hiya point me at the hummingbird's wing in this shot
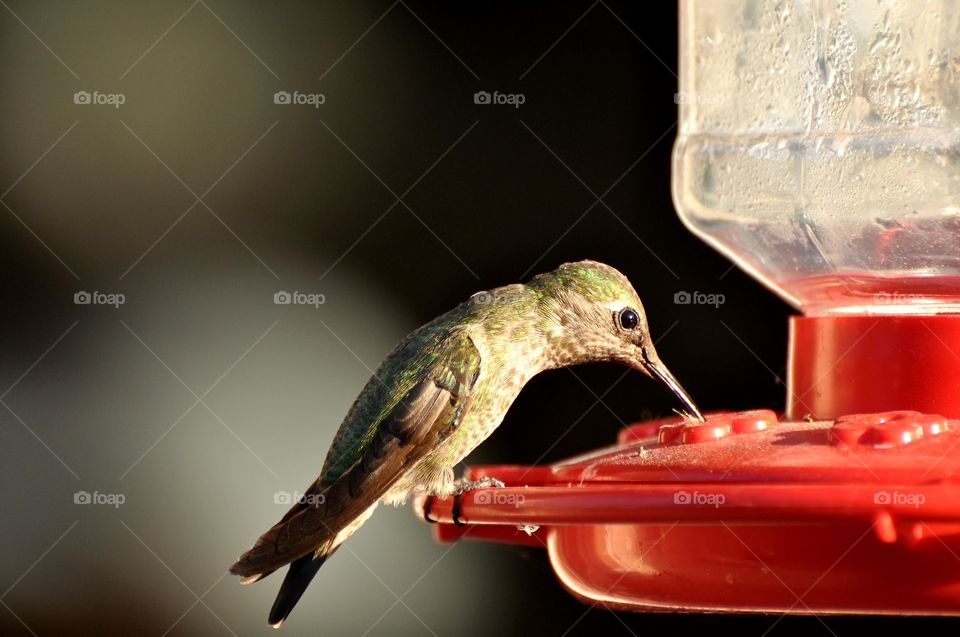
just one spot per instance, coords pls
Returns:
(422, 419)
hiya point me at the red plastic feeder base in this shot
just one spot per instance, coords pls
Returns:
(741, 513)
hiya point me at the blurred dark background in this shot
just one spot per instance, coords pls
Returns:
(198, 198)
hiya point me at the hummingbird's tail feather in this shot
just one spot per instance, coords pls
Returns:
(312, 530)
(283, 544)
(405, 436)
(299, 576)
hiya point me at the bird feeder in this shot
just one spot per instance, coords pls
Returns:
(818, 150)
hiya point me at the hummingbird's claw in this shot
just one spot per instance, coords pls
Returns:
(457, 510)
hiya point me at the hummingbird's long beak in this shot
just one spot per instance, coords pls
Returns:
(659, 371)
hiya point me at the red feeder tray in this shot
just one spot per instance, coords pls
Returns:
(741, 513)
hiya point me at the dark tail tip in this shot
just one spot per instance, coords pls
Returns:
(298, 577)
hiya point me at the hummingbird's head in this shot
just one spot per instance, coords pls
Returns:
(590, 312)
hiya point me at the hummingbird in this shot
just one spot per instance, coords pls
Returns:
(439, 394)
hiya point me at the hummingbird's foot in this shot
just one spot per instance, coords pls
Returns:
(462, 486)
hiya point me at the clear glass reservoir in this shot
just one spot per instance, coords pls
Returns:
(819, 148)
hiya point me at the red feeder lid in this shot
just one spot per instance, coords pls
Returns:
(741, 513)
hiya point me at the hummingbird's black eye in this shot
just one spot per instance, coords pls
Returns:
(629, 319)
